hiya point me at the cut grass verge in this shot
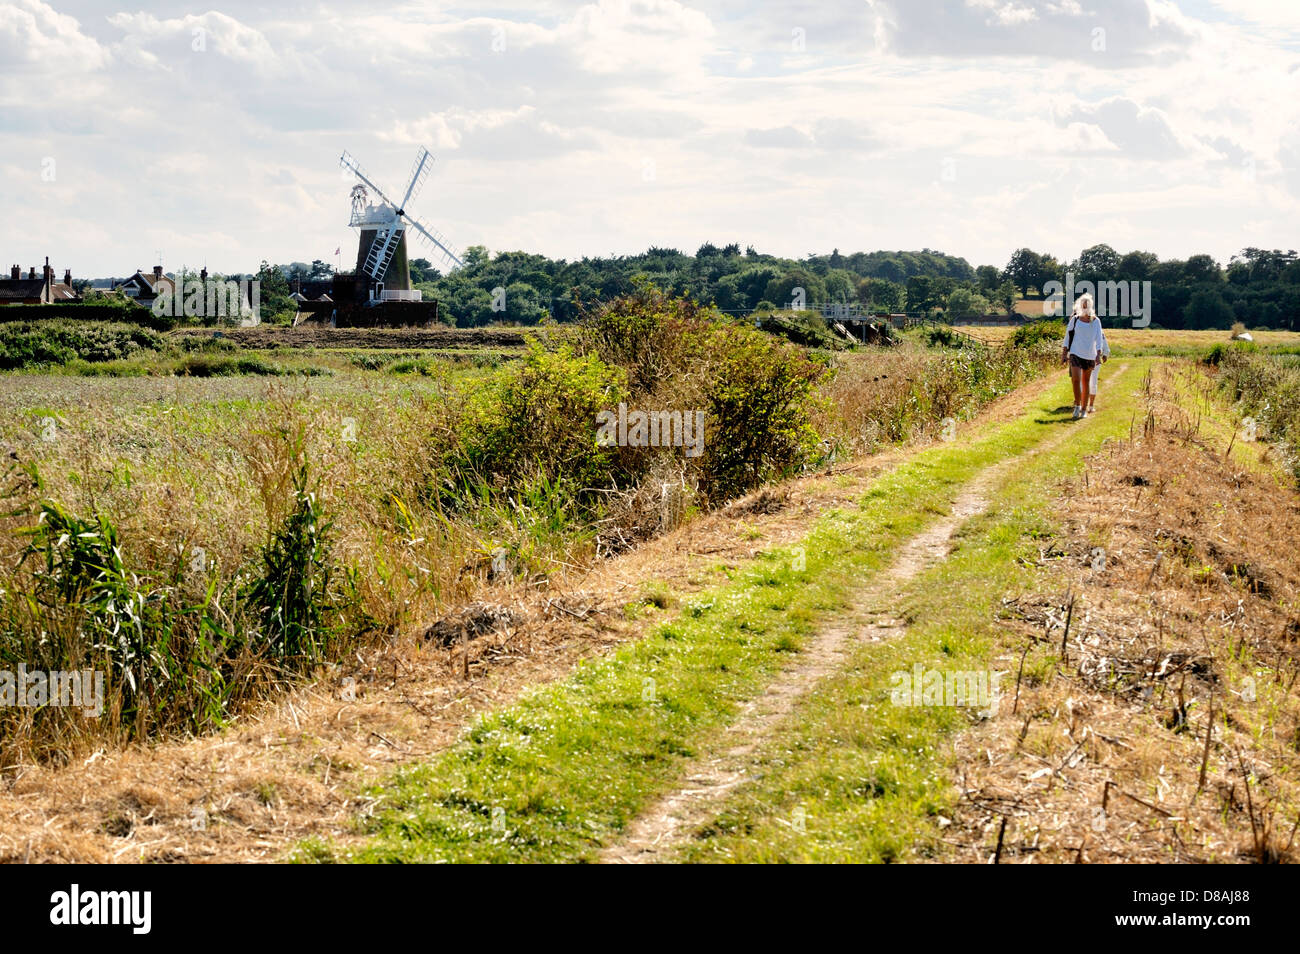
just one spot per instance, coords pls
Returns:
(561, 772)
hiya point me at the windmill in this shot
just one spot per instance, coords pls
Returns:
(381, 255)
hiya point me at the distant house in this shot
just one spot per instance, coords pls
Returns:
(312, 290)
(144, 288)
(313, 299)
(34, 290)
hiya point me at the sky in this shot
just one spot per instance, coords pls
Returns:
(165, 131)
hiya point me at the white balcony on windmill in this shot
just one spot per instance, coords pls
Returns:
(370, 216)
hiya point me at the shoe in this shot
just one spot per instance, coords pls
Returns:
(1076, 415)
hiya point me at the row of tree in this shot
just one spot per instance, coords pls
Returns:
(741, 282)
(1259, 287)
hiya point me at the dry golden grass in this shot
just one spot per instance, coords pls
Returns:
(866, 397)
(1156, 337)
(194, 473)
(1029, 307)
(1170, 728)
(882, 396)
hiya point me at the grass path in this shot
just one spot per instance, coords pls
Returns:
(660, 829)
(578, 766)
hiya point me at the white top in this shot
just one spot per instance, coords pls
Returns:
(1089, 338)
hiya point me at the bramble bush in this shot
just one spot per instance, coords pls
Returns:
(759, 397)
(35, 344)
(538, 419)
(1036, 333)
(756, 391)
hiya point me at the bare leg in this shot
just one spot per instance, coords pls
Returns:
(1092, 400)
(1084, 387)
(1075, 374)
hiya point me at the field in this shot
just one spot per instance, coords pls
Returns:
(425, 339)
(1132, 341)
(393, 602)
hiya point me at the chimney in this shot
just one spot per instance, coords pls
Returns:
(157, 272)
(16, 273)
(203, 275)
(47, 271)
(31, 275)
(67, 277)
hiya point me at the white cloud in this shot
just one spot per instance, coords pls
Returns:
(662, 36)
(1108, 33)
(1271, 14)
(34, 34)
(1137, 131)
(1082, 139)
(780, 137)
(210, 32)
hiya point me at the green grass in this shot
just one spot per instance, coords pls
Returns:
(559, 774)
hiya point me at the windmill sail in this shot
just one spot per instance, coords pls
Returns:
(436, 240)
(419, 172)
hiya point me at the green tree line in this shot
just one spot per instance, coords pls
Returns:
(1258, 287)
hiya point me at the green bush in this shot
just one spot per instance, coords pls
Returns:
(643, 333)
(759, 398)
(756, 391)
(539, 418)
(217, 365)
(98, 308)
(36, 344)
(941, 337)
(291, 593)
(805, 328)
(1267, 387)
(537, 421)
(1035, 333)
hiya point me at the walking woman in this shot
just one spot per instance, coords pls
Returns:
(1084, 348)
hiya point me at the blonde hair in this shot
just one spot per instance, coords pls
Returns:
(1079, 306)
